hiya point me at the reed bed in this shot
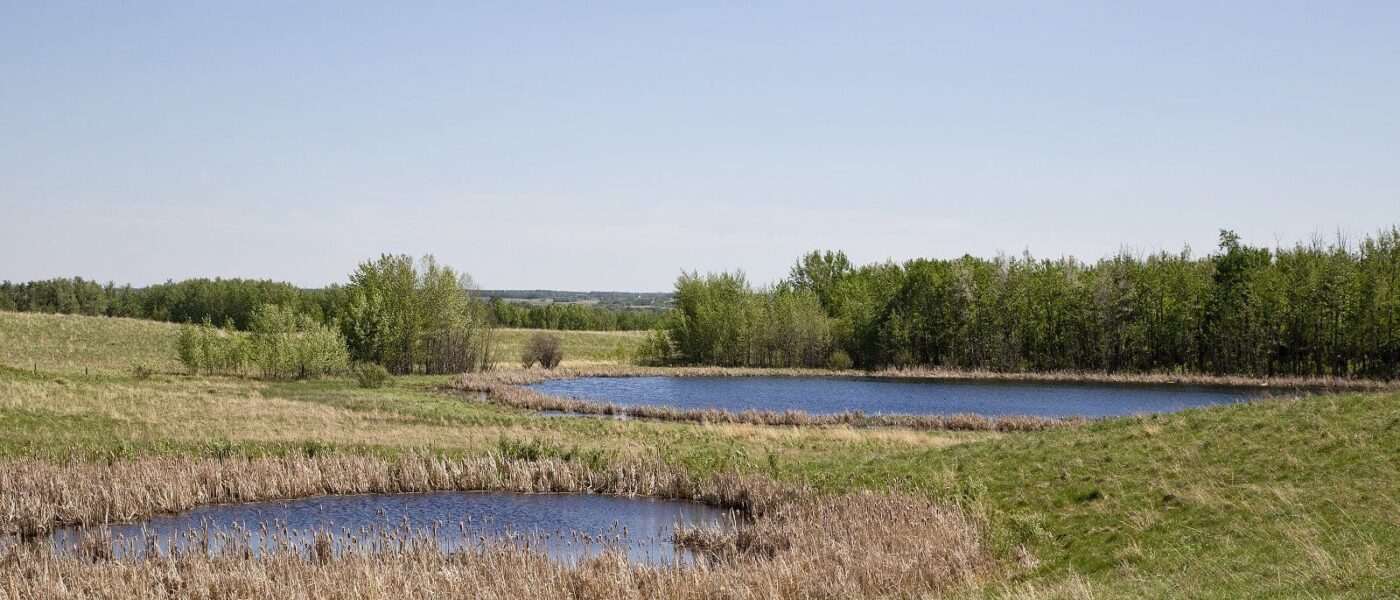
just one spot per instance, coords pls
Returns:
(858, 546)
(793, 545)
(37, 496)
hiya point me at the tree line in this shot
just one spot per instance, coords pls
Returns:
(1312, 309)
(407, 316)
(233, 302)
(570, 317)
(220, 301)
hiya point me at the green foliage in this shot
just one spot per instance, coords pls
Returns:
(570, 317)
(189, 301)
(840, 361)
(656, 349)
(409, 316)
(720, 320)
(371, 376)
(282, 344)
(1309, 310)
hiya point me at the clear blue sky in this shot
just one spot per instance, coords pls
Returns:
(609, 146)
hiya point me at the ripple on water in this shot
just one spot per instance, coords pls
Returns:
(834, 395)
(566, 527)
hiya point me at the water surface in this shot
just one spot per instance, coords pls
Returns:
(565, 526)
(834, 395)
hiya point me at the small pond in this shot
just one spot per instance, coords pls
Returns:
(565, 526)
(834, 395)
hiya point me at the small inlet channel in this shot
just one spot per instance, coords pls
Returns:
(565, 527)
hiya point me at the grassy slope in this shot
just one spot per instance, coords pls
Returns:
(70, 343)
(1290, 498)
(1281, 498)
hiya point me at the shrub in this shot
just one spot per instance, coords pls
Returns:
(656, 349)
(840, 361)
(545, 349)
(142, 371)
(371, 375)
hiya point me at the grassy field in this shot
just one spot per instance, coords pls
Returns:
(1282, 498)
(74, 344)
(77, 344)
(580, 347)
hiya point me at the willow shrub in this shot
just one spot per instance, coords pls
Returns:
(282, 344)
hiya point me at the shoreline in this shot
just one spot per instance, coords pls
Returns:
(536, 375)
(508, 388)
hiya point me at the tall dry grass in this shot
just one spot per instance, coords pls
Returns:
(37, 496)
(793, 545)
(861, 546)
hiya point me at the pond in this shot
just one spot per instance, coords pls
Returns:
(564, 526)
(834, 395)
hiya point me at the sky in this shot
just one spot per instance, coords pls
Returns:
(602, 146)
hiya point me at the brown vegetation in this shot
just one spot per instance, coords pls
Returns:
(796, 544)
(37, 496)
(544, 349)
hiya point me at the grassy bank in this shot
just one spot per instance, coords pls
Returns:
(1283, 498)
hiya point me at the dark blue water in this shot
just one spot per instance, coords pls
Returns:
(564, 526)
(834, 395)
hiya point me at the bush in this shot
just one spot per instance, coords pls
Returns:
(545, 349)
(656, 349)
(283, 344)
(840, 361)
(371, 375)
(142, 371)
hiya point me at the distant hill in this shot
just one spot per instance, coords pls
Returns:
(609, 300)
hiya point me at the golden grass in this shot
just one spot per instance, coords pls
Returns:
(794, 545)
(40, 495)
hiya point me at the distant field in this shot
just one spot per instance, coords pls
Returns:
(592, 346)
(71, 343)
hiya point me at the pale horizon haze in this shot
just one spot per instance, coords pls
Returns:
(605, 146)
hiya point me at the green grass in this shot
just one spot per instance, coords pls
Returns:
(1292, 498)
(73, 344)
(78, 344)
(579, 346)
(1285, 498)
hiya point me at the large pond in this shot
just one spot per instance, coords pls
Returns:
(564, 526)
(834, 395)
